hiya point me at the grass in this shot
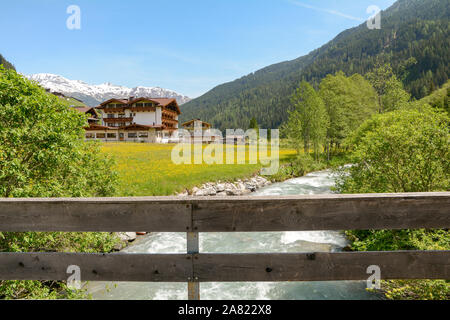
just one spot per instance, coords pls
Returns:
(147, 169)
(68, 101)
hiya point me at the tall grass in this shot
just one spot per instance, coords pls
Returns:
(147, 169)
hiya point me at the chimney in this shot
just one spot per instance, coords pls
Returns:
(130, 98)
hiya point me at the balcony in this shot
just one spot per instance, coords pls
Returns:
(116, 120)
(113, 110)
(171, 121)
(142, 109)
(169, 112)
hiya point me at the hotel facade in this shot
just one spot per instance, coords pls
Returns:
(151, 120)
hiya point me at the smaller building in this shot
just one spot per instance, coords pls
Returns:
(93, 116)
(197, 124)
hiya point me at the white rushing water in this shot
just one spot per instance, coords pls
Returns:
(311, 241)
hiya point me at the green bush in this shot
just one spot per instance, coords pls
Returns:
(401, 151)
(43, 154)
(298, 167)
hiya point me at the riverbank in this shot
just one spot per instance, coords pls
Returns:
(148, 169)
(239, 187)
(296, 168)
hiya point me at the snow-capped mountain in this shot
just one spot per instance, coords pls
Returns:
(93, 95)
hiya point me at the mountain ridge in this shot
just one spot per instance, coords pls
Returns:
(410, 28)
(93, 95)
(6, 63)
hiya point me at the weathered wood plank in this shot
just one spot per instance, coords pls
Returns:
(97, 267)
(193, 247)
(321, 266)
(109, 215)
(245, 214)
(330, 212)
(226, 267)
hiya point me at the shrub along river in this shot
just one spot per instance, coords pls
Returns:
(313, 241)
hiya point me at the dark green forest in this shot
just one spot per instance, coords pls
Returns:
(414, 39)
(439, 98)
(6, 63)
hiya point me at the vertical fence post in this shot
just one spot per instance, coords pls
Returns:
(193, 248)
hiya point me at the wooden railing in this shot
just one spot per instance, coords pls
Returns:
(115, 120)
(240, 214)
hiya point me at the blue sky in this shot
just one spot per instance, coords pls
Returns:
(186, 46)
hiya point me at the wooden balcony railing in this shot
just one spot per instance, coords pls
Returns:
(116, 120)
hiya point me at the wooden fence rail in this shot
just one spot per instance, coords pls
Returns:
(240, 214)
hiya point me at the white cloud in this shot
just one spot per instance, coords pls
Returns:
(333, 12)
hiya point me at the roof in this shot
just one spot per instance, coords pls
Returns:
(121, 101)
(193, 120)
(163, 102)
(85, 109)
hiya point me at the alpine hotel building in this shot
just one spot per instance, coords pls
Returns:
(151, 120)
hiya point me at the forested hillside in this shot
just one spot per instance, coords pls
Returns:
(439, 98)
(6, 63)
(414, 39)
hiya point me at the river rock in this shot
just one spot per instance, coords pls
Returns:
(234, 192)
(238, 188)
(241, 186)
(127, 236)
(205, 192)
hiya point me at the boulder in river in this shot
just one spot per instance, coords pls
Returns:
(127, 236)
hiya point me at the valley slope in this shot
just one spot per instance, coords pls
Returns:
(410, 29)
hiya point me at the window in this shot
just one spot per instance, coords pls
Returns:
(143, 134)
(148, 104)
(132, 135)
(139, 104)
(90, 136)
(111, 135)
(101, 136)
(121, 115)
(110, 115)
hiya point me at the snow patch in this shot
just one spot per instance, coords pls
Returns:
(95, 94)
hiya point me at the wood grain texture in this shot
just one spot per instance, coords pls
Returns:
(244, 214)
(226, 267)
(109, 215)
(330, 212)
(96, 267)
(321, 266)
